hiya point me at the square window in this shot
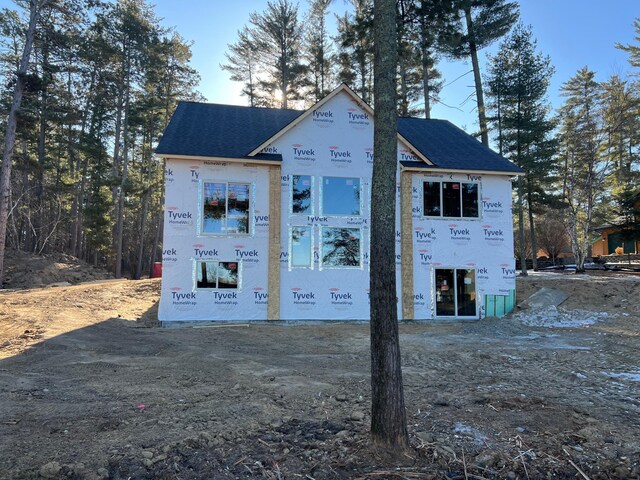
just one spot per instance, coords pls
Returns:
(213, 274)
(228, 275)
(341, 247)
(340, 196)
(301, 194)
(300, 247)
(226, 208)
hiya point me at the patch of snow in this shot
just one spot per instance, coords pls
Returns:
(478, 437)
(559, 317)
(630, 376)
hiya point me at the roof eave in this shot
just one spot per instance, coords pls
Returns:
(245, 160)
(436, 169)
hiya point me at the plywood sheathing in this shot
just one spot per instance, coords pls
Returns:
(273, 305)
(406, 245)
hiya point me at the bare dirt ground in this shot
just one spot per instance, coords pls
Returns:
(89, 388)
(27, 270)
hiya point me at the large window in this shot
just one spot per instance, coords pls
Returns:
(340, 196)
(450, 199)
(341, 247)
(217, 275)
(226, 208)
(300, 247)
(455, 292)
(301, 195)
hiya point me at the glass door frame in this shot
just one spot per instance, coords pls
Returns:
(455, 294)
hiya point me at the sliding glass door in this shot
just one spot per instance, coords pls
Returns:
(455, 292)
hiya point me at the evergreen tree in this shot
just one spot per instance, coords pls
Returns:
(388, 415)
(355, 49)
(409, 62)
(633, 50)
(434, 21)
(583, 170)
(35, 9)
(481, 23)
(242, 64)
(318, 50)
(277, 38)
(101, 83)
(518, 81)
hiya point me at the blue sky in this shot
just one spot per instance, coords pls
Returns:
(574, 33)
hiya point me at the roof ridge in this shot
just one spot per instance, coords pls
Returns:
(241, 106)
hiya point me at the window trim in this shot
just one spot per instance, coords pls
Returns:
(196, 264)
(336, 215)
(311, 245)
(461, 217)
(250, 228)
(360, 265)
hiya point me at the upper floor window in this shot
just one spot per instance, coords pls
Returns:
(226, 208)
(340, 196)
(450, 199)
(301, 199)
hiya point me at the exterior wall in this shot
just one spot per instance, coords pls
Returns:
(598, 247)
(610, 239)
(335, 141)
(484, 243)
(184, 245)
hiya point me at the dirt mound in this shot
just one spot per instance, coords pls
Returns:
(610, 293)
(28, 270)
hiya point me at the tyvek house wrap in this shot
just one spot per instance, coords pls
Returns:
(184, 245)
(484, 244)
(334, 141)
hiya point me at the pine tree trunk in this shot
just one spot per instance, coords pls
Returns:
(143, 224)
(122, 194)
(404, 100)
(532, 229)
(482, 117)
(425, 69)
(156, 240)
(523, 255)
(388, 416)
(26, 188)
(12, 121)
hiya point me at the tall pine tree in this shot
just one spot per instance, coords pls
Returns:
(583, 169)
(518, 81)
(481, 22)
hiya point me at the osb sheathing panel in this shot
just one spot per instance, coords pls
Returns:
(273, 307)
(406, 245)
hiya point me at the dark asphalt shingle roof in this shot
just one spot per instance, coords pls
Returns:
(212, 130)
(229, 131)
(450, 147)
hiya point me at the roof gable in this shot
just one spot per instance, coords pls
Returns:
(235, 132)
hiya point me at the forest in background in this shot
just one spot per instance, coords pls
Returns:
(104, 77)
(102, 83)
